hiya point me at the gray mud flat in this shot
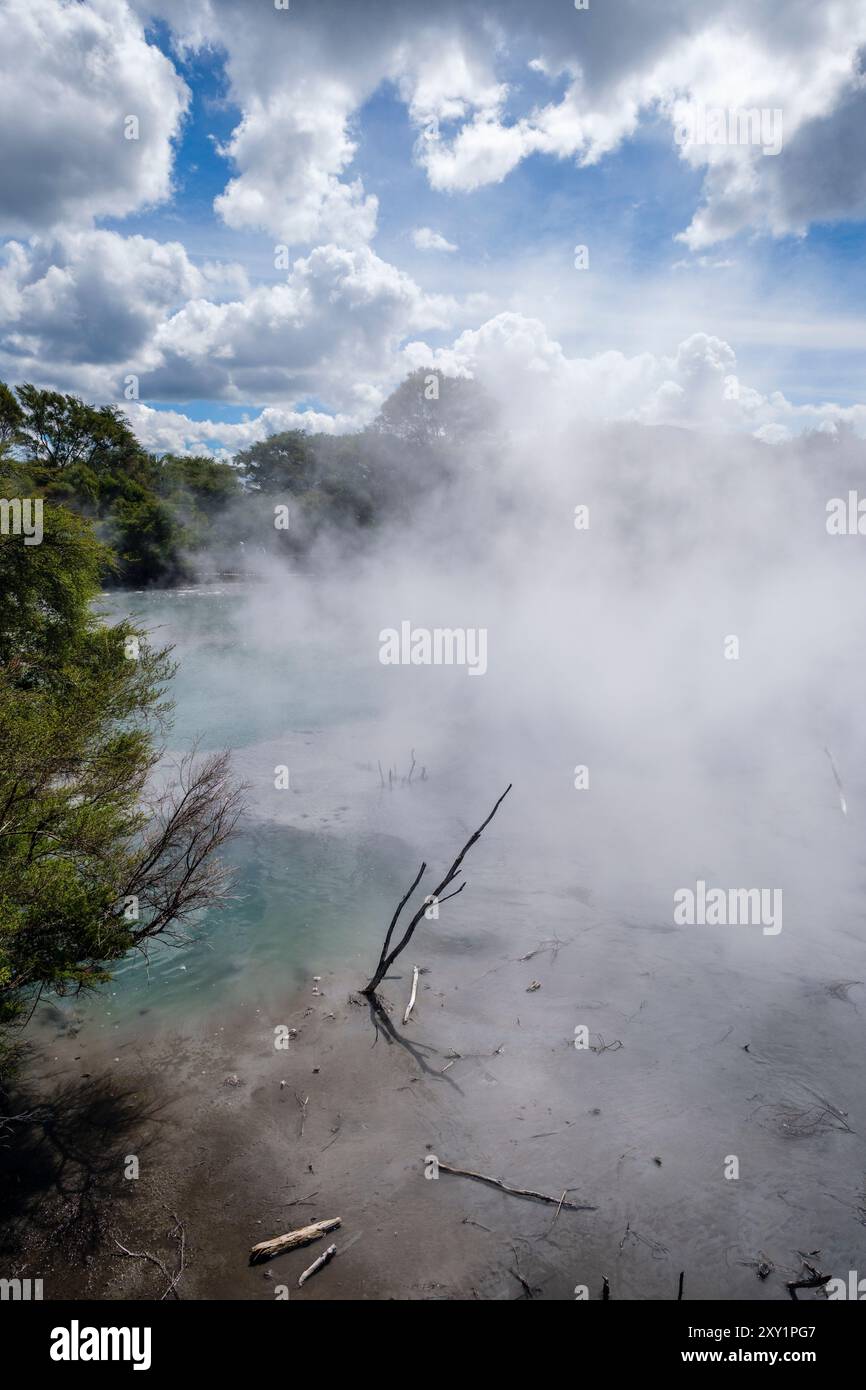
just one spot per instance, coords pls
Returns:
(702, 1049)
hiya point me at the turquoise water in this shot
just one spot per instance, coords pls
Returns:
(234, 686)
(301, 900)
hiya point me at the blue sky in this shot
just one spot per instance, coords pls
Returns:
(354, 139)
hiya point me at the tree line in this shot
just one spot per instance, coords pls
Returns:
(159, 514)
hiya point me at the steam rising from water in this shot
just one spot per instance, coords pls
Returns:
(607, 648)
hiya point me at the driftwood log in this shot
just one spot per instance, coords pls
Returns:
(267, 1249)
(386, 958)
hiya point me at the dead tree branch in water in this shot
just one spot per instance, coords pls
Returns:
(558, 1202)
(386, 960)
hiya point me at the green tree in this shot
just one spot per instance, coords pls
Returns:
(198, 481)
(283, 463)
(62, 431)
(11, 418)
(93, 861)
(429, 408)
(152, 511)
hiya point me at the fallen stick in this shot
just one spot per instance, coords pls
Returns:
(146, 1255)
(179, 1231)
(816, 1280)
(410, 1006)
(838, 780)
(267, 1249)
(558, 1209)
(303, 1104)
(527, 1287)
(559, 1202)
(318, 1264)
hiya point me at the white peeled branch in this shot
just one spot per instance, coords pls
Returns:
(318, 1264)
(410, 1006)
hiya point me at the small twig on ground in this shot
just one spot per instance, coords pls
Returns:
(317, 1264)
(303, 1104)
(179, 1231)
(467, 1221)
(553, 945)
(335, 1131)
(527, 1287)
(658, 1250)
(558, 1209)
(145, 1255)
(410, 1006)
(515, 1191)
(181, 1235)
(471, 1056)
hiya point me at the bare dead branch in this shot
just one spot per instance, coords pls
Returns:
(559, 1202)
(178, 1231)
(386, 960)
(178, 874)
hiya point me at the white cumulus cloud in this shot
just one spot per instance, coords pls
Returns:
(426, 239)
(73, 74)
